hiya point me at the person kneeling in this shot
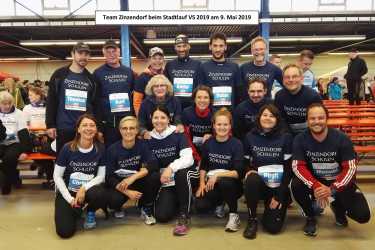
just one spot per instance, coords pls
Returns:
(78, 172)
(130, 172)
(268, 153)
(324, 163)
(221, 169)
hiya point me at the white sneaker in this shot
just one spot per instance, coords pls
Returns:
(148, 217)
(119, 214)
(233, 223)
(220, 211)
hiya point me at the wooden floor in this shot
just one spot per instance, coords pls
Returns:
(26, 222)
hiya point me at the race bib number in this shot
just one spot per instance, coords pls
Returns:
(78, 179)
(119, 102)
(326, 171)
(271, 175)
(75, 100)
(222, 95)
(183, 87)
(171, 180)
(124, 173)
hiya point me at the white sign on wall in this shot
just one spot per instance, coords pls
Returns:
(177, 17)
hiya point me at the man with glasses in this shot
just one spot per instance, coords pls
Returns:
(294, 99)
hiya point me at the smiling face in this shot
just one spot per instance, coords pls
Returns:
(257, 92)
(112, 55)
(34, 97)
(218, 48)
(182, 50)
(128, 130)
(258, 50)
(160, 121)
(87, 129)
(222, 126)
(317, 120)
(160, 90)
(267, 120)
(293, 80)
(202, 99)
(157, 62)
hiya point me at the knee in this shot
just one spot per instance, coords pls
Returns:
(361, 217)
(202, 205)
(65, 233)
(252, 181)
(162, 215)
(296, 184)
(226, 183)
(180, 176)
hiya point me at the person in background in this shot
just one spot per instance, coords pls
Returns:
(334, 89)
(305, 61)
(155, 67)
(277, 61)
(16, 91)
(17, 143)
(357, 68)
(35, 114)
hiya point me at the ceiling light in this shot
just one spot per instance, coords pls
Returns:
(97, 58)
(316, 38)
(162, 41)
(62, 42)
(23, 59)
(346, 53)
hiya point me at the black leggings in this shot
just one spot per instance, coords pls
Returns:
(349, 201)
(226, 189)
(255, 189)
(148, 186)
(9, 155)
(178, 197)
(66, 217)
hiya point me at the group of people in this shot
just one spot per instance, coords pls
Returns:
(199, 134)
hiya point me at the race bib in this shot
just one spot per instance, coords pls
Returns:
(119, 102)
(197, 140)
(326, 171)
(75, 100)
(183, 86)
(124, 173)
(271, 175)
(222, 95)
(77, 179)
(171, 180)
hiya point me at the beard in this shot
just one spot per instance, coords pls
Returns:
(218, 57)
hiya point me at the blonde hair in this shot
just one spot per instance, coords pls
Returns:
(128, 118)
(292, 65)
(222, 112)
(5, 96)
(258, 39)
(10, 82)
(159, 79)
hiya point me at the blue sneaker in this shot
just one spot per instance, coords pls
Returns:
(90, 221)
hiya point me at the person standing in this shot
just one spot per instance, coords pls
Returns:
(305, 60)
(222, 76)
(71, 93)
(115, 85)
(356, 69)
(183, 71)
(259, 67)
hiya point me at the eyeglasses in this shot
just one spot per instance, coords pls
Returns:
(128, 128)
(160, 86)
